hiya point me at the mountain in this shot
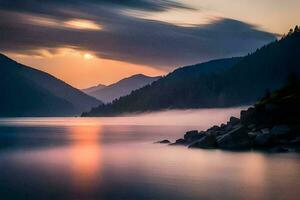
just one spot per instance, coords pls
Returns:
(93, 89)
(29, 92)
(164, 87)
(196, 87)
(121, 88)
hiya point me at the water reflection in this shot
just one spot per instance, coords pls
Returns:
(57, 158)
(85, 155)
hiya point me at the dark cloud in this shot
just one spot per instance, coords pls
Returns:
(43, 5)
(125, 37)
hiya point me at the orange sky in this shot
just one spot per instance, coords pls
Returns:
(82, 69)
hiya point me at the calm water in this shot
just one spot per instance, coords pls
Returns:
(115, 158)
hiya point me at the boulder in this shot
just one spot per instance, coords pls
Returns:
(214, 128)
(164, 142)
(236, 139)
(279, 150)
(253, 134)
(295, 141)
(191, 136)
(180, 142)
(228, 127)
(281, 130)
(263, 139)
(251, 127)
(207, 142)
(265, 131)
(222, 126)
(248, 116)
(234, 121)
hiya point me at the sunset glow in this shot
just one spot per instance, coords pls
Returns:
(88, 56)
(119, 39)
(82, 69)
(82, 24)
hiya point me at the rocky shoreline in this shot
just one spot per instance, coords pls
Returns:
(272, 125)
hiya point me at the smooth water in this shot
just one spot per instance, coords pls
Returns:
(115, 158)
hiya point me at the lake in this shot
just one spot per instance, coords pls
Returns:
(116, 158)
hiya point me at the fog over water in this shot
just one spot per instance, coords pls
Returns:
(116, 158)
(201, 118)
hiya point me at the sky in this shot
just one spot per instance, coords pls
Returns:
(88, 42)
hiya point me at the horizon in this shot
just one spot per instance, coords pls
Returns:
(91, 43)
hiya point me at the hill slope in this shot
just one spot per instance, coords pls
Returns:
(29, 92)
(92, 89)
(121, 88)
(189, 87)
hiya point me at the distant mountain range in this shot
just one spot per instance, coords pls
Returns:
(29, 92)
(90, 90)
(219, 83)
(121, 88)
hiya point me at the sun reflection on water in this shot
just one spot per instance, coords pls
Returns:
(85, 155)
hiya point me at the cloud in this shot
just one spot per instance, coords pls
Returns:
(43, 5)
(122, 37)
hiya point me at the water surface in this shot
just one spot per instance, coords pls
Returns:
(115, 158)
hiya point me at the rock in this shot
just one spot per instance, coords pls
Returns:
(191, 136)
(219, 133)
(281, 130)
(263, 139)
(234, 121)
(253, 134)
(164, 142)
(297, 150)
(207, 142)
(222, 126)
(248, 116)
(265, 131)
(279, 150)
(228, 127)
(180, 142)
(214, 128)
(236, 139)
(270, 107)
(252, 127)
(295, 141)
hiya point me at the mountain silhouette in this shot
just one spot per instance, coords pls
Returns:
(218, 83)
(29, 92)
(121, 88)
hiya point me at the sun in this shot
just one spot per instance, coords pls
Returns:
(88, 56)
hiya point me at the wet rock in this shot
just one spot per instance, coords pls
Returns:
(263, 139)
(214, 128)
(234, 121)
(279, 150)
(191, 136)
(236, 139)
(164, 142)
(252, 127)
(248, 116)
(253, 134)
(207, 142)
(281, 130)
(222, 126)
(265, 131)
(295, 141)
(180, 142)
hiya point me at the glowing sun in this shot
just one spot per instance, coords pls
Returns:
(88, 56)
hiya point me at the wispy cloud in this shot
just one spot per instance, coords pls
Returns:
(100, 27)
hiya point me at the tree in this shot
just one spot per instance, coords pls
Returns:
(297, 29)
